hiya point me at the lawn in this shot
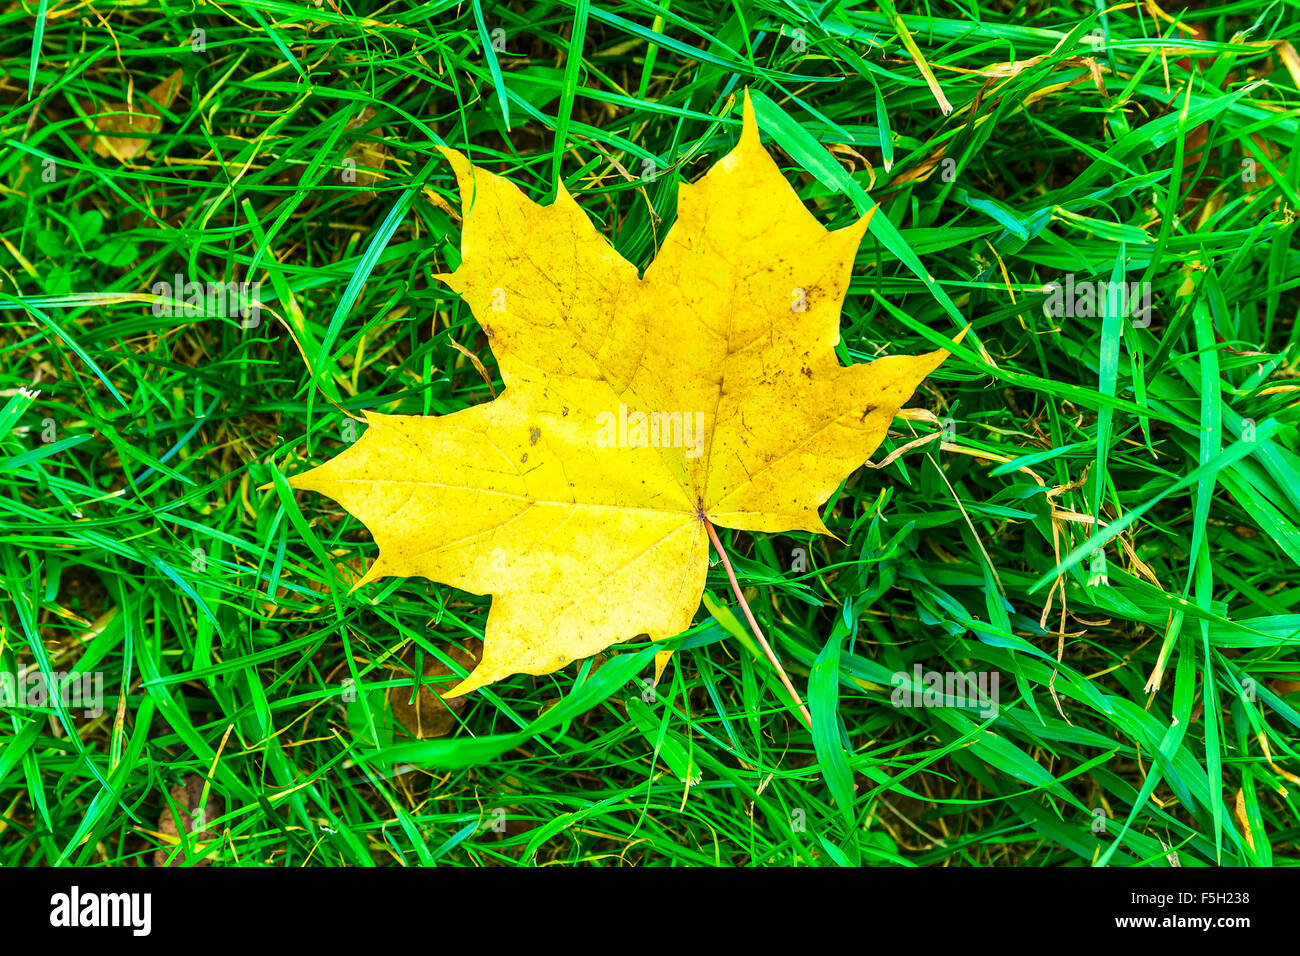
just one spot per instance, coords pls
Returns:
(1091, 509)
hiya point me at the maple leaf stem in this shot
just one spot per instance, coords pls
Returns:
(753, 624)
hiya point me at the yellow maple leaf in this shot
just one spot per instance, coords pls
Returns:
(634, 409)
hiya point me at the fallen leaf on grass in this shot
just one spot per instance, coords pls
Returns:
(115, 123)
(190, 815)
(634, 409)
(430, 715)
(364, 160)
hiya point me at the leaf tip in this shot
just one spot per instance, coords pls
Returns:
(460, 166)
(817, 526)
(859, 228)
(373, 573)
(749, 127)
(470, 684)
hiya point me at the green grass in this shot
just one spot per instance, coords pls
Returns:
(147, 534)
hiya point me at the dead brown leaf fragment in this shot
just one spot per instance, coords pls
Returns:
(364, 161)
(116, 124)
(429, 714)
(635, 410)
(190, 816)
